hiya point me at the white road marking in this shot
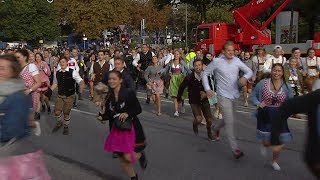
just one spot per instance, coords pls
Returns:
(291, 118)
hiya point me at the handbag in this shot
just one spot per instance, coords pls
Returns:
(122, 125)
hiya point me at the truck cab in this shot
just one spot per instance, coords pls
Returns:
(210, 37)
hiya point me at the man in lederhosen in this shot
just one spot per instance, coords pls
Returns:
(64, 79)
(311, 67)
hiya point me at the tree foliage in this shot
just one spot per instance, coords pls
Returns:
(28, 20)
(92, 17)
(155, 18)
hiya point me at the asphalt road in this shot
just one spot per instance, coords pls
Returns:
(173, 151)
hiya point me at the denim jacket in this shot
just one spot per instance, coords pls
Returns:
(14, 114)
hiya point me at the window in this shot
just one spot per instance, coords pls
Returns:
(203, 34)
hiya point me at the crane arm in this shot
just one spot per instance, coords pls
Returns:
(253, 9)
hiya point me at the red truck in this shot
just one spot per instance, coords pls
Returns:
(247, 32)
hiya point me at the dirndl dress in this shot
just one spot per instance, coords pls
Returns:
(264, 125)
(176, 79)
(26, 76)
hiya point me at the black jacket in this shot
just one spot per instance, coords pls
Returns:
(127, 79)
(309, 104)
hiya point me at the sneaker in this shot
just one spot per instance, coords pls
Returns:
(80, 96)
(176, 114)
(75, 105)
(220, 116)
(216, 136)
(37, 129)
(43, 108)
(203, 123)
(65, 130)
(159, 114)
(246, 104)
(238, 154)
(263, 151)
(275, 166)
(143, 160)
(183, 110)
(57, 127)
(195, 129)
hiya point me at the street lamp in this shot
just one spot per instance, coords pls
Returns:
(84, 41)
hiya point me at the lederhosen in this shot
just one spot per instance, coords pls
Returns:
(294, 83)
(309, 80)
(260, 74)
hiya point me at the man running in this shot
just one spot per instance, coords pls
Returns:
(226, 69)
(64, 79)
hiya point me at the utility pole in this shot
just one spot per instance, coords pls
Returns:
(142, 30)
(186, 25)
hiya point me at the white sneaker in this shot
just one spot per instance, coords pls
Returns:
(176, 114)
(263, 151)
(275, 166)
(183, 110)
(220, 116)
(37, 129)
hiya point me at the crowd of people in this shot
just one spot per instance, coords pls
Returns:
(211, 84)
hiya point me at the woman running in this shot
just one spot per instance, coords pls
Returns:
(45, 72)
(177, 70)
(123, 105)
(90, 74)
(268, 95)
(154, 82)
(30, 75)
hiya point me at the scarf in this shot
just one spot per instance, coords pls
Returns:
(9, 87)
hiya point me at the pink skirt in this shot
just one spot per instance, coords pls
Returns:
(121, 141)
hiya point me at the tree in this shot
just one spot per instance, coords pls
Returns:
(155, 18)
(203, 6)
(28, 20)
(92, 17)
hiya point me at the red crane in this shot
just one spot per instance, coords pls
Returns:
(251, 31)
(245, 32)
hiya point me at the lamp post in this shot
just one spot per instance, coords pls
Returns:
(84, 41)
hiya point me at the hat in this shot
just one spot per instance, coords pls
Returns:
(260, 47)
(277, 47)
(316, 85)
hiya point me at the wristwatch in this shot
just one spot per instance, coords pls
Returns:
(30, 90)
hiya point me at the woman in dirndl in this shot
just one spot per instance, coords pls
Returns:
(178, 70)
(123, 105)
(154, 83)
(45, 72)
(30, 75)
(268, 95)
